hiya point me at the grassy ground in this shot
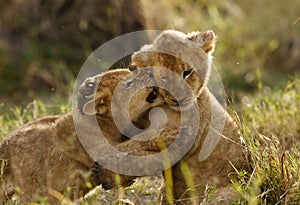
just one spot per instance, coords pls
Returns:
(270, 125)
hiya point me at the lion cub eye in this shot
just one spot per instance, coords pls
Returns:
(129, 84)
(187, 73)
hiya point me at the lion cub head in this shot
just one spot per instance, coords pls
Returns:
(96, 94)
(188, 56)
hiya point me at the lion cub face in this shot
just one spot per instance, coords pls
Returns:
(187, 55)
(97, 93)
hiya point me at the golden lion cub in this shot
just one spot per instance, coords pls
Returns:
(45, 157)
(217, 146)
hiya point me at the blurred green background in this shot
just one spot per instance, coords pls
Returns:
(44, 43)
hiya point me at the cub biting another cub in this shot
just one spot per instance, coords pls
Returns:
(218, 145)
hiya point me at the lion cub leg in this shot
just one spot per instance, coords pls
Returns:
(108, 179)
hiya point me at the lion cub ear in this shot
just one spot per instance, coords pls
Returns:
(205, 39)
(89, 108)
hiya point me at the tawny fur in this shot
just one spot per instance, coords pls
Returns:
(45, 156)
(178, 53)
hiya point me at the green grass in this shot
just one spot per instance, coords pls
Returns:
(270, 124)
(15, 116)
(271, 127)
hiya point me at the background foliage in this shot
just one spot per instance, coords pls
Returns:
(44, 43)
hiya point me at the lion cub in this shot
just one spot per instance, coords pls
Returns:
(45, 157)
(217, 145)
